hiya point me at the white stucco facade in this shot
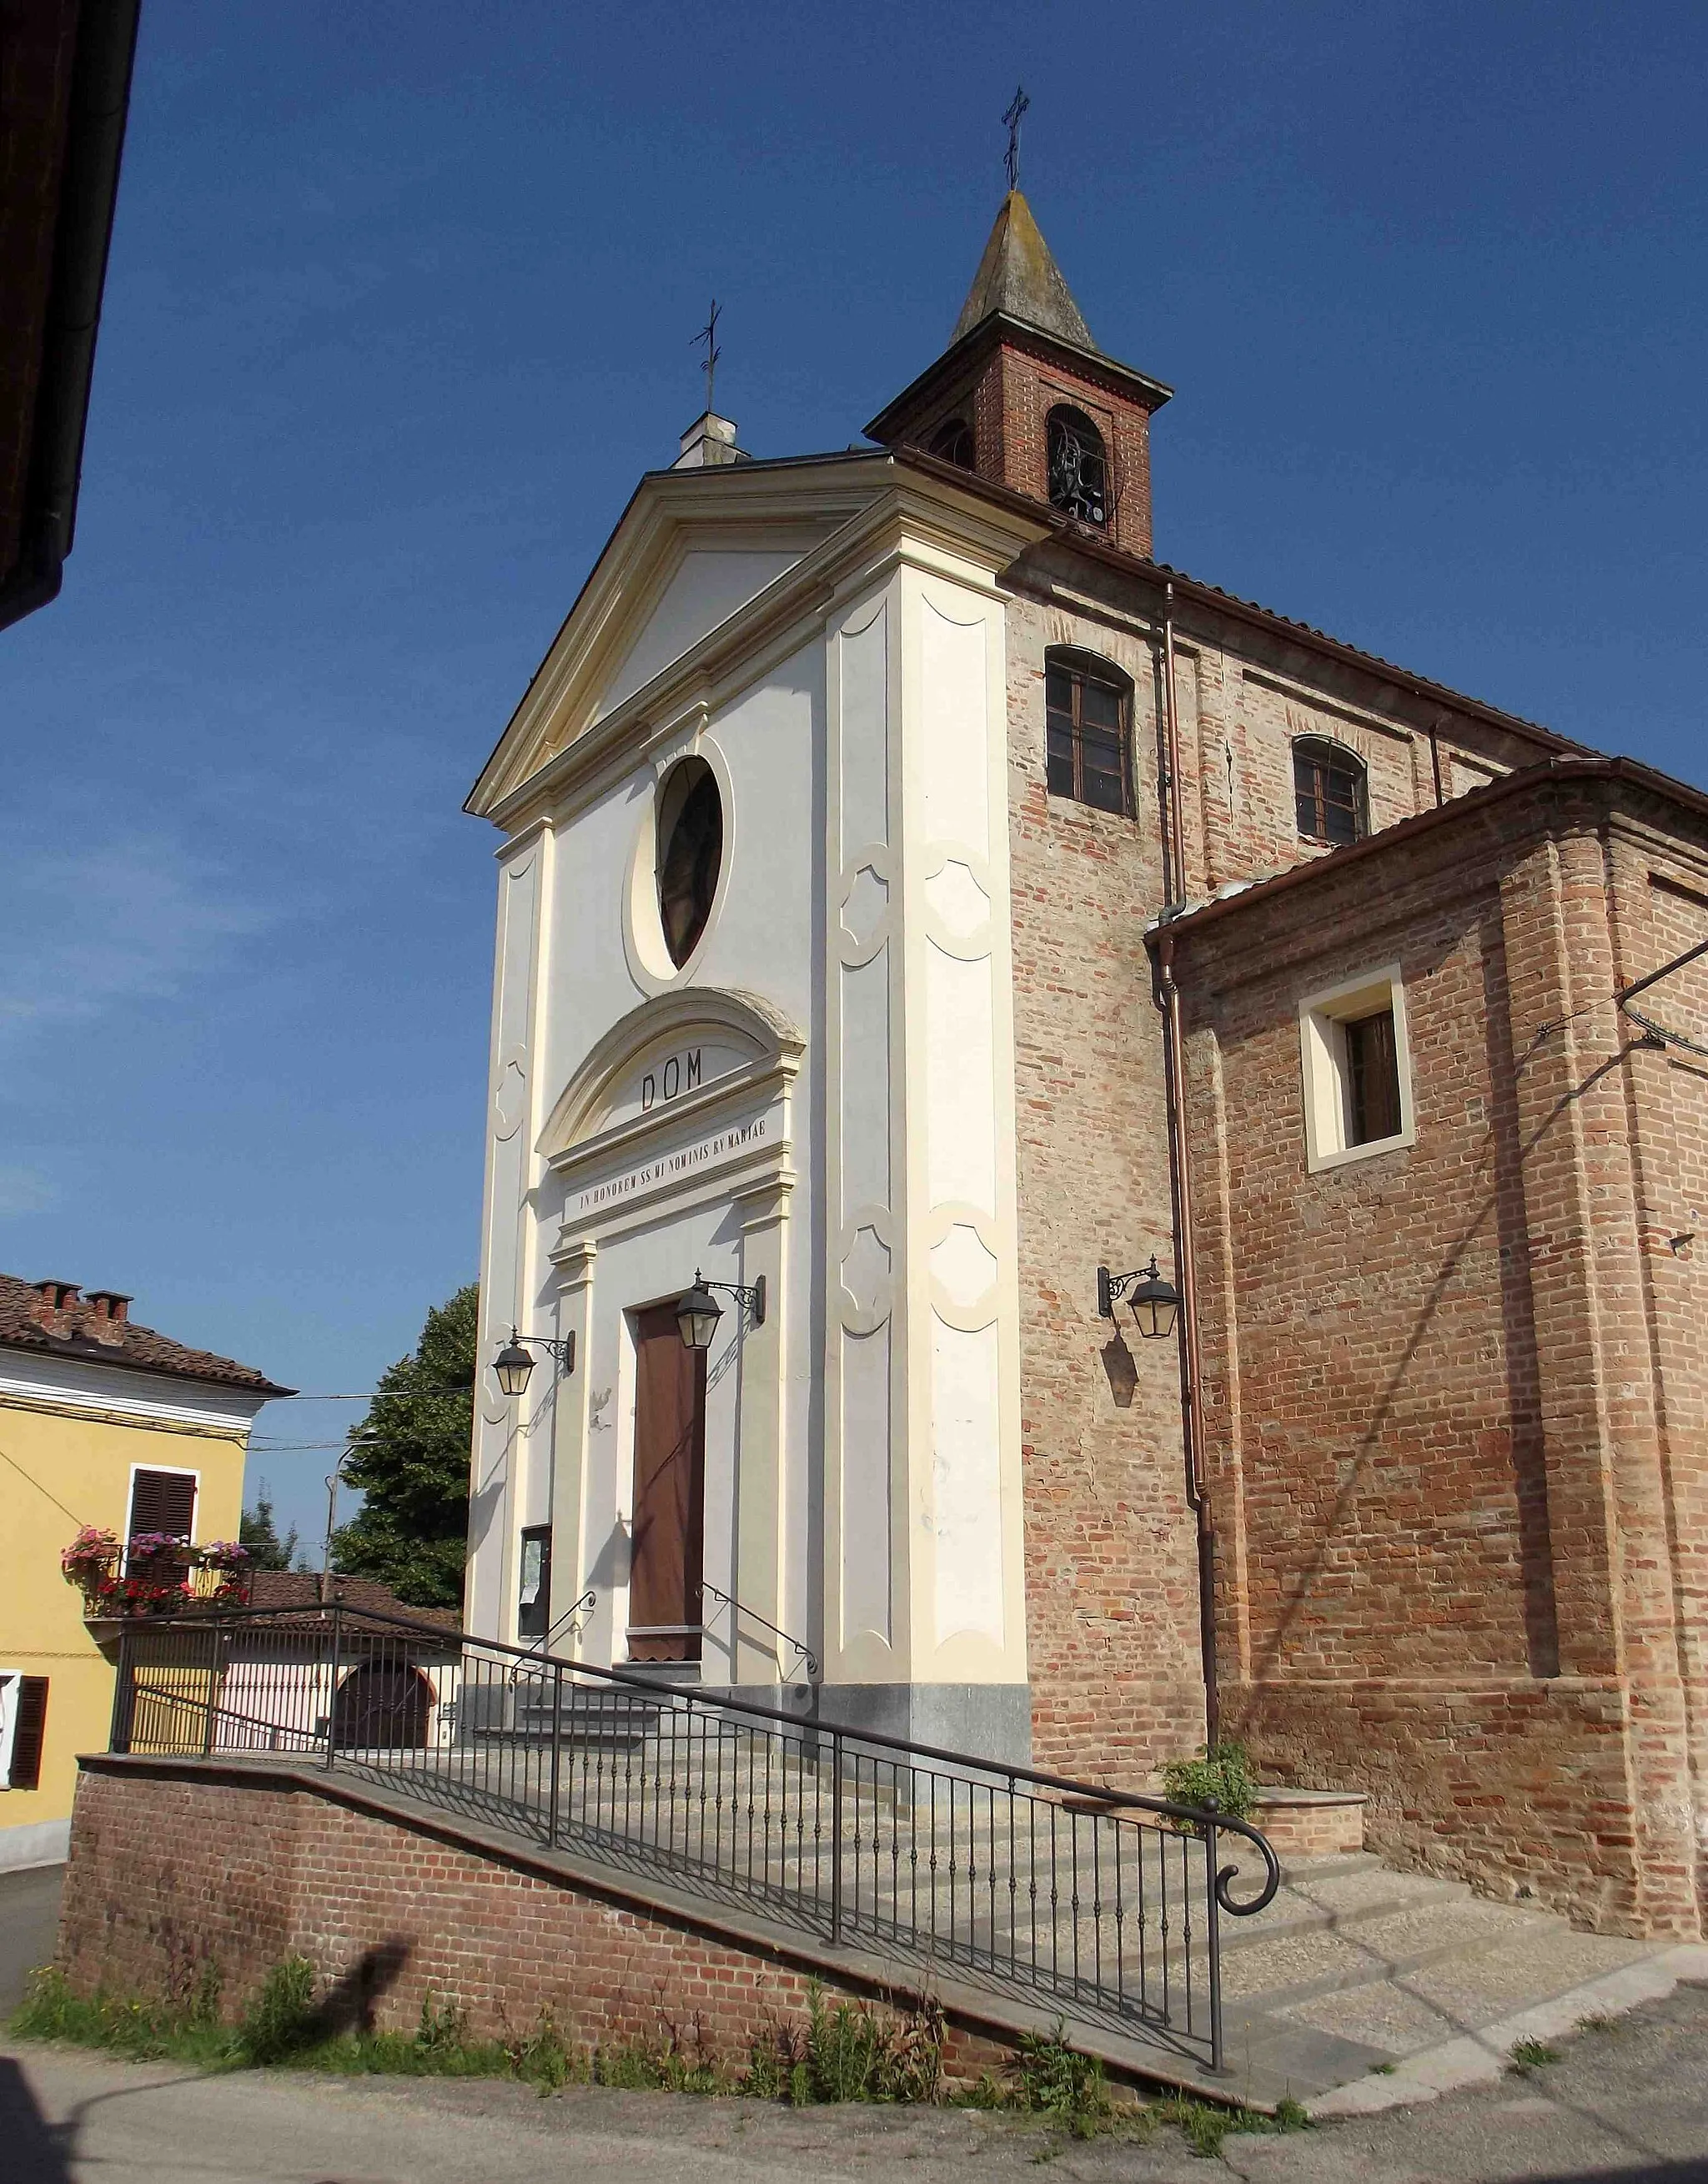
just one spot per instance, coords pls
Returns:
(821, 1094)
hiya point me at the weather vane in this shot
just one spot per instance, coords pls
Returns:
(1020, 102)
(709, 334)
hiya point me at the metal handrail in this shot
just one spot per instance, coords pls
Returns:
(540, 1647)
(1105, 1901)
(1095, 1793)
(803, 1652)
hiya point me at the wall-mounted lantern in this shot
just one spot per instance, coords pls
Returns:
(513, 1365)
(1153, 1301)
(698, 1311)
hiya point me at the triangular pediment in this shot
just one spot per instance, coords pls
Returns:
(710, 580)
(694, 549)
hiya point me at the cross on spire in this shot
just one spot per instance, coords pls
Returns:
(1017, 107)
(709, 334)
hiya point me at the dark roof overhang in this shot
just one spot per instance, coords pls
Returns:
(991, 332)
(54, 382)
(1082, 540)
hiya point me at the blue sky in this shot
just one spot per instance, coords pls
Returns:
(399, 307)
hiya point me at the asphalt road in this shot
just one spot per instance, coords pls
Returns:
(29, 1919)
(1630, 2103)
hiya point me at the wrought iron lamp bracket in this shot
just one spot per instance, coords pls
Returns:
(1112, 1288)
(560, 1348)
(750, 1296)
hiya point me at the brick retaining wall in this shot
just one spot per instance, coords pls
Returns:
(175, 1868)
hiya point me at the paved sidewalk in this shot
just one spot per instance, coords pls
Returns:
(1627, 2102)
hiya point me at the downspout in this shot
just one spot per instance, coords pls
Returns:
(1167, 995)
(1175, 879)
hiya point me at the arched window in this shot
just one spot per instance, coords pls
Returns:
(953, 441)
(1088, 731)
(1328, 791)
(690, 854)
(1078, 469)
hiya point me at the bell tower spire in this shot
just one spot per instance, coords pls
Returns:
(1024, 397)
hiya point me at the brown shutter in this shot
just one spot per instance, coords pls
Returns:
(163, 1502)
(1373, 1063)
(30, 1728)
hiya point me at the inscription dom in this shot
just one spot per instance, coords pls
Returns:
(668, 1080)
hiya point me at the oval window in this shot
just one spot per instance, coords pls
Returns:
(690, 854)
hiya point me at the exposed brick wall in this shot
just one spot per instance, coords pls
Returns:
(1014, 402)
(1006, 397)
(169, 1873)
(1111, 1574)
(1112, 1593)
(1437, 1379)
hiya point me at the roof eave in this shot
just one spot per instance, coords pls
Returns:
(989, 331)
(1082, 540)
(1561, 768)
(52, 1346)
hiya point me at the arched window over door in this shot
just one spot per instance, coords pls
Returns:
(1078, 466)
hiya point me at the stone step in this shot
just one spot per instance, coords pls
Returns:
(1456, 1991)
(1297, 1963)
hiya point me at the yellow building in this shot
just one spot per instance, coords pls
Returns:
(104, 1424)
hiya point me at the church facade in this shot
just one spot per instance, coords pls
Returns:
(913, 898)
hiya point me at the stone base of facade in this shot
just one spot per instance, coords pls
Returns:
(989, 1721)
(40, 1843)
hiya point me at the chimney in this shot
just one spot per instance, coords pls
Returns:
(56, 1297)
(710, 440)
(104, 1314)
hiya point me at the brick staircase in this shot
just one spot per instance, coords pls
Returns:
(1020, 1899)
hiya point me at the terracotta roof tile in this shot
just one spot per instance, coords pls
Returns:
(277, 1588)
(78, 1328)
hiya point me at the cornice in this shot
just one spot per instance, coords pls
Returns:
(928, 523)
(666, 508)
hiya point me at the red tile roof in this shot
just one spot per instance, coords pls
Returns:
(79, 1329)
(277, 1588)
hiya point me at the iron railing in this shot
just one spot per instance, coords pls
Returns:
(1106, 1904)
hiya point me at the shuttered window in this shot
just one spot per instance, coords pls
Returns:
(1372, 1075)
(29, 1709)
(162, 1502)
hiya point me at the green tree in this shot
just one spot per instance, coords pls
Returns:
(411, 1461)
(256, 1531)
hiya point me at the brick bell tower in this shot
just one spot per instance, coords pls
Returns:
(1024, 397)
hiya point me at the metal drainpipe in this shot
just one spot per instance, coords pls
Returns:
(1167, 997)
(1176, 848)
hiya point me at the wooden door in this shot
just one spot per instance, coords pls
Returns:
(670, 1491)
(383, 1706)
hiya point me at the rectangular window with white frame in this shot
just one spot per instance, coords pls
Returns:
(162, 1502)
(1356, 1063)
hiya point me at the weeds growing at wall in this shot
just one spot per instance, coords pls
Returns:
(1223, 1774)
(844, 2052)
(284, 2026)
